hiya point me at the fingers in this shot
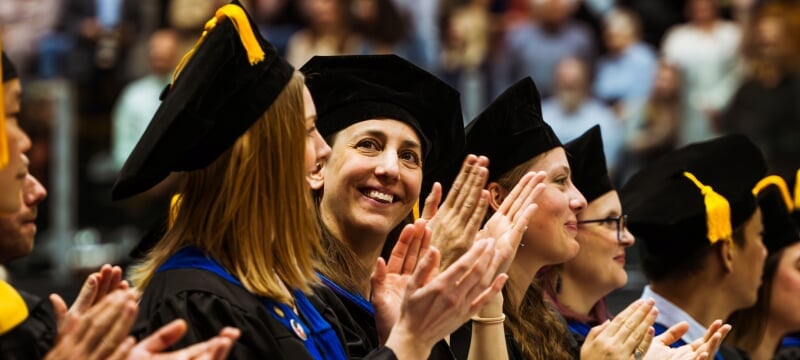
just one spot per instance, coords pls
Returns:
(398, 255)
(636, 328)
(432, 202)
(59, 309)
(480, 275)
(487, 294)
(644, 345)
(104, 281)
(88, 294)
(620, 319)
(674, 333)
(164, 337)
(412, 255)
(228, 337)
(515, 199)
(425, 270)
(597, 330)
(110, 325)
(461, 180)
(378, 275)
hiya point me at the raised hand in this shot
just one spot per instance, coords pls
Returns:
(700, 349)
(390, 281)
(455, 223)
(509, 222)
(627, 336)
(95, 288)
(151, 348)
(434, 305)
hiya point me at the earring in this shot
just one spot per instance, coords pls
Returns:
(521, 244)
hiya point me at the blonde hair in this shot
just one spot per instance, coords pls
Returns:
(258, 220)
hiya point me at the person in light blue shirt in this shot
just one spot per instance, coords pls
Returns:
(571, 110)
(626, 72)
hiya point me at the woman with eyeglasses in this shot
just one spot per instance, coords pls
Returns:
(578, 287)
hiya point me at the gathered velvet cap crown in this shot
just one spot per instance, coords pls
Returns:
(221, 87)
(511, 131)
(356, 88)
(694, 196)
(588, 164)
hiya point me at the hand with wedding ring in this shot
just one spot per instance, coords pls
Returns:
(627, 336)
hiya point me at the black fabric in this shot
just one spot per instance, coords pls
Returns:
(461, 339)
(216, 98)
(208, 303)
(35, 336)
(667, 211)
(729, 352)
(511, 130)
(788, 353)
(351, 89)
(361, 334)
(9, 70)
(588, 164)
(780, 229)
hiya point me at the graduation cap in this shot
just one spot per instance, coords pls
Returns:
(588, 164)
(776, 206)
(351, 89)
(511, 131)
(220, 88)
(8, 69)
(694, 196)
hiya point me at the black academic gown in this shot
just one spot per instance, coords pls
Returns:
(208, 303)
(35, 336)
(362, 333)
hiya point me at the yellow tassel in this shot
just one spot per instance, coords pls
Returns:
(780, 183)
(4, 150)
(718, 211)
(415, 210)
(13, 310)
(255, 54)
(174, 207)
(797, 190)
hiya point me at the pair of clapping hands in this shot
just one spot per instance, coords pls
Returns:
(97, 325)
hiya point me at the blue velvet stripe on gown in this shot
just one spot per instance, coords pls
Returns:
(318, 336)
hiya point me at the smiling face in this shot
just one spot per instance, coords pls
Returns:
(601, 260)
(373, 176)
(551, 235)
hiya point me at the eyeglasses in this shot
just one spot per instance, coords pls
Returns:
(620, 222)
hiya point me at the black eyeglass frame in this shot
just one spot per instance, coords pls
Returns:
(620, 220)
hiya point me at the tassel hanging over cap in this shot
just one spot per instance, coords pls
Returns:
(780, 183)
(718, 211)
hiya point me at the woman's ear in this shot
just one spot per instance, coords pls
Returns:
(496, 195)
(316, 179)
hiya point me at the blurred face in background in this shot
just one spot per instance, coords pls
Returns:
(619, 31)
(552, 13)
(701, 11)
(785, 296)
(163, 52)
(322, 14)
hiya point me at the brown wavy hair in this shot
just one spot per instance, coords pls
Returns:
(251, 209)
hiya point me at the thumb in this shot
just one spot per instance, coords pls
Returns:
(432, 202)
(379, 274)
(59, 308)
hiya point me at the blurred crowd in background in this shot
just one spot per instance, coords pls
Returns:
(655, 74)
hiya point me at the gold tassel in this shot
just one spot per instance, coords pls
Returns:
(718, 211)
(174, 207)
(797, 190)
(255, 54)
(415, 210)
(780, 183)
(13, 310)
(4, 150)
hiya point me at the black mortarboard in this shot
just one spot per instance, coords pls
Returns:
(668, 210)
(351, 89)
(510, 131)
(9, 70)
(776, 206)
(588, 164)
(226, 83)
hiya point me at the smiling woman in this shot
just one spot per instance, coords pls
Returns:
(392, 128)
